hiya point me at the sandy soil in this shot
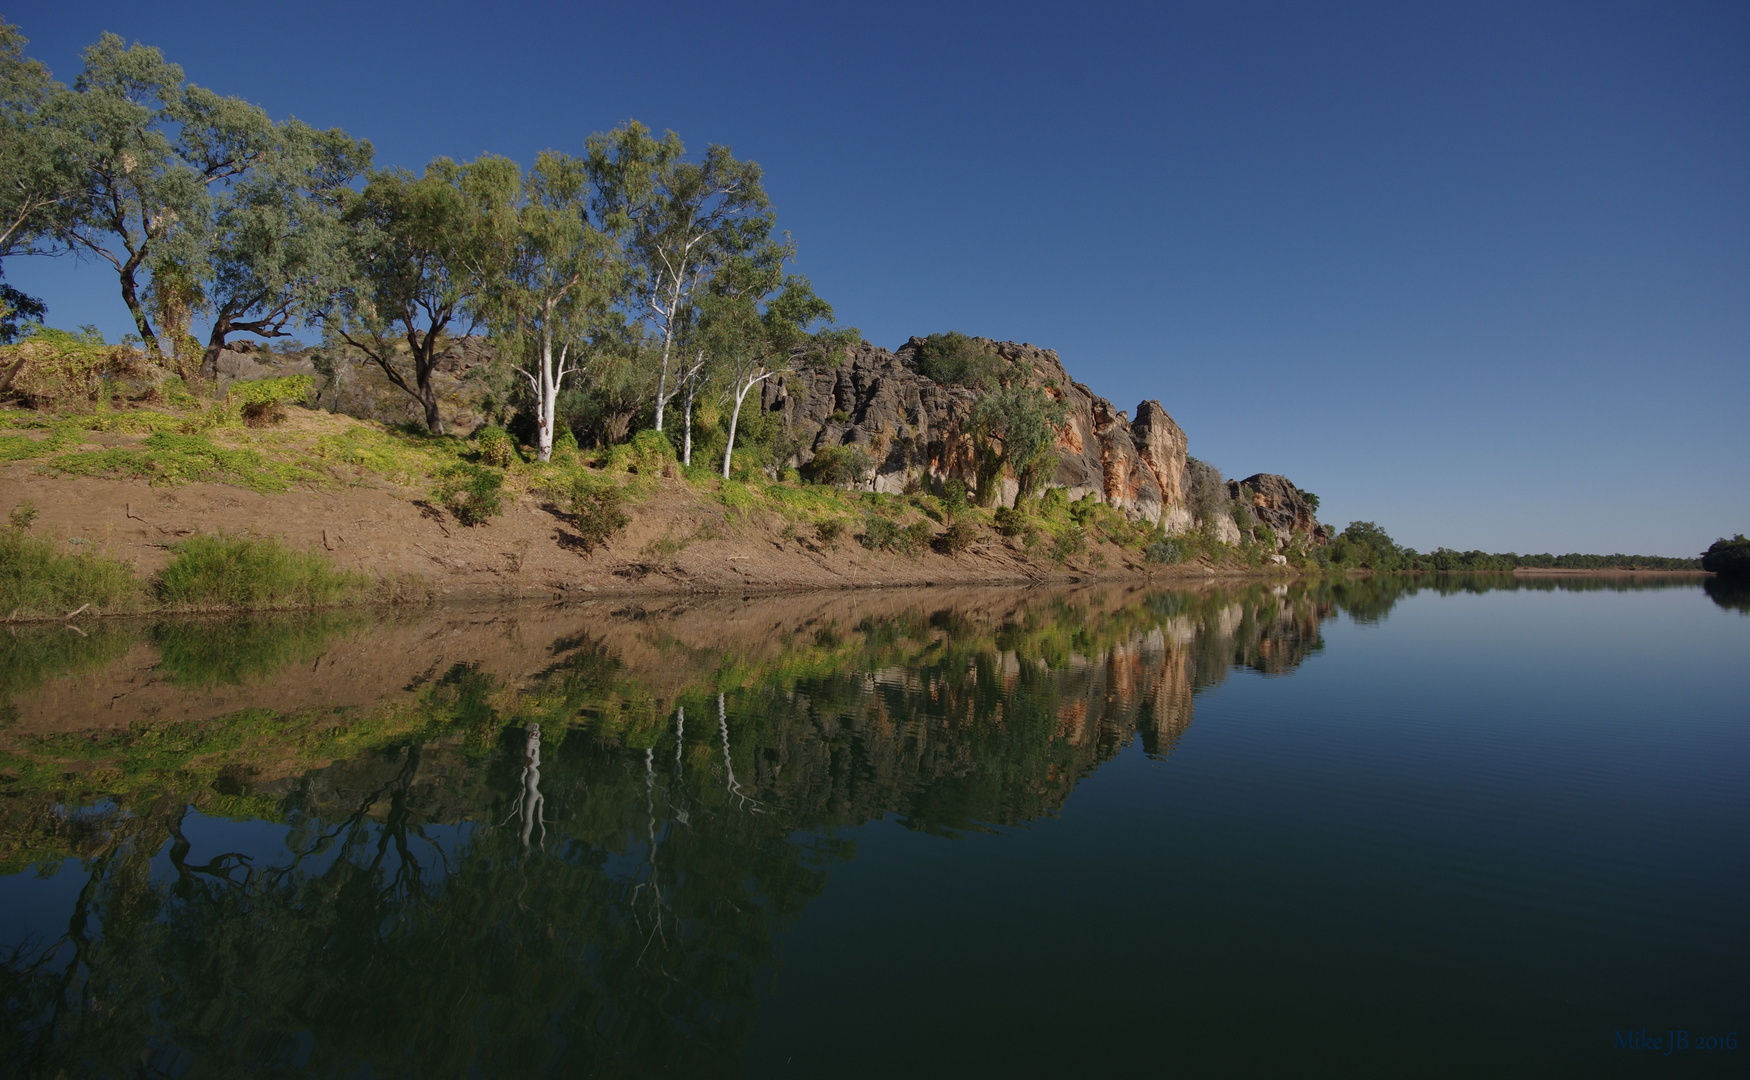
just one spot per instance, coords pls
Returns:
(530, 551)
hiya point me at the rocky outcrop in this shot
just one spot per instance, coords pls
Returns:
(1276, 502)
(916, 431)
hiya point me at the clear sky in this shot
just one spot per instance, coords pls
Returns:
(1478, 272)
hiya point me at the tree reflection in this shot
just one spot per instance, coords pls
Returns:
(386, 919)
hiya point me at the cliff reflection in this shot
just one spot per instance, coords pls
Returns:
(559, 841)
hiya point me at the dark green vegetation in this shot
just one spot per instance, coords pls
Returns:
(1728, 558)
(1364, 545)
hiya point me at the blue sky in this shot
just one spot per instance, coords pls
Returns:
(1477, 272)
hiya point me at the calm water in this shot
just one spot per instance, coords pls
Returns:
(1477, 830)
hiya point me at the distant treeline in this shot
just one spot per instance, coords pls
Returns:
(1364, 545)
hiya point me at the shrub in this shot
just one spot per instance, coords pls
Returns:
(960, 536)
(838, 466)
(829, 531)
(1164, 552)
(260, 414)
(250, 572)
(565, 447)
(1011, 521)
(471, 492)
(879, 533)
(914, 538)
(38, 579)
(954, 499)
(597, 509)
(23, 515)
(496, 446)
(1070, 542)
(262, 402)
(954, 359)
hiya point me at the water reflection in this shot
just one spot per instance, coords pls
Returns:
(492, 844)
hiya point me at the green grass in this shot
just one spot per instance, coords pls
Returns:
(175, 458)
(254, 573)
(38, 579)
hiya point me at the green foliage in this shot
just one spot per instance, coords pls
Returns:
(954, 500)
(954, 359)
(1164, 553)
(1728, 558)
(1069, 543)
(1011, 521)
(173, 458)
(1015, 426)
(838, 466)
(961, 535)
(496, 447)
(23, 515)
(251, 572)
(828, 532)
(284, 390)
(38, 579)
(885, 534)
(51, 367)
(474, 493)
(1311, 500)
(597, 507)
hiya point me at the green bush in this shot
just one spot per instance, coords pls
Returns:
(251, 572)
(471, 492)
(597, 508)
(829, 531)
(954, 499)
(838, 466)
(961, 535)
(879, 533)
(1011, 521)
(38, 579)
(1069, 543)
(1164, 552)
(496, 446)
(954, 359)
(884, 534)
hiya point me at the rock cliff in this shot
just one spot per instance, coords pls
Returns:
(916, 431)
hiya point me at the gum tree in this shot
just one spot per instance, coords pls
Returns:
(152, 153)
(38, 181)
(412, 275)
(548, 274)
(677, 220)
(756, 321)
(278, 245)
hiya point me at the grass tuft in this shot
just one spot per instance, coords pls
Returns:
(217, 572)
(37, 579)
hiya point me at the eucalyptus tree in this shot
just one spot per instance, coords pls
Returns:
(277, 242)
(412, 275)
(756, 321)
(548, 275)
(678, 222)
(1015, 426)
(38, 180)
(152, 152)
